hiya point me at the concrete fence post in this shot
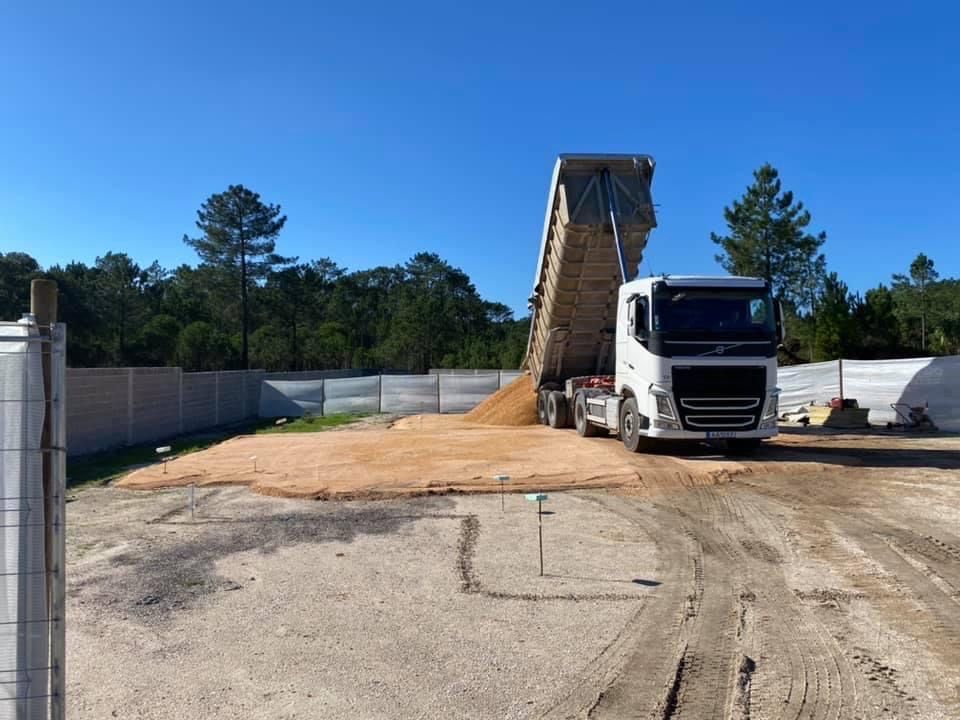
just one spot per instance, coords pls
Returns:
(499, 379)
(216, 397)
(438, 394)
(129, 406)
(180, 401)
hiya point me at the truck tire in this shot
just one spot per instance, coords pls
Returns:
(584, 427)
(743, 446)
(557, 409)
(542, 406)
(630, 427)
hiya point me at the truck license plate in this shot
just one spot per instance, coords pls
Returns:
(718, 434)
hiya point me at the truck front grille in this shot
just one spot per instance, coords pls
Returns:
(719, 397)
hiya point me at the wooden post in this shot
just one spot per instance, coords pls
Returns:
(43, 306)
(840, 370)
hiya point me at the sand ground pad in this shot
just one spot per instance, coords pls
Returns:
(439, 454)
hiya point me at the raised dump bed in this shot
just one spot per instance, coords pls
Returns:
(593, 200)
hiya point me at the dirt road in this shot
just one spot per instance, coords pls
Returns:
(819, 580)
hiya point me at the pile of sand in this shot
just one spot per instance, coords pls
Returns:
(514, 404)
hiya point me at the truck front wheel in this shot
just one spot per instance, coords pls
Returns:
(630, 426)
(584, 427)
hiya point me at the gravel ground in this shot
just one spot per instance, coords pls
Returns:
(261, 607)
(820, 581)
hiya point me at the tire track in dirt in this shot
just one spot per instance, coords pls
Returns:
(906, 575)
(632, 678)
(813, 680)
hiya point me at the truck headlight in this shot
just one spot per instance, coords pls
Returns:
(664, 406)
(771, 410)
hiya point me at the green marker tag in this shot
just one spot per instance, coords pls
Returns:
(537, 497)
(501, 478)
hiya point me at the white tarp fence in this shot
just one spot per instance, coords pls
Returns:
(351, 395)
(413, 394)
(24, 682)
(460, 393)
(286, 398)
(876, 384)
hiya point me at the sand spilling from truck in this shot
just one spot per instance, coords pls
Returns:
(514, 404)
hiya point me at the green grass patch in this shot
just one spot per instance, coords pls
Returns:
(104, 467)
(309, 423)
(101, 468)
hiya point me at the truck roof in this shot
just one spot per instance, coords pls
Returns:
(703, 281)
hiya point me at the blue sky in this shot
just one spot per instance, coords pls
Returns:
(388, 128)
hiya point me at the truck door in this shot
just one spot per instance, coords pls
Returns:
(630, 355)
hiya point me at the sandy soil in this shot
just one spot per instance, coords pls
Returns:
(434, 454)
(820, 579)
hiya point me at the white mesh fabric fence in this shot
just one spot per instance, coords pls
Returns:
(876, 384)
(801, 385)
(460, 393)
(915, 381)
(508, 376)
(24, 646)
(291, 398)
(351, 395)
(409, 394)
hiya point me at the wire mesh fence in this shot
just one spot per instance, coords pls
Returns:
(32, 503)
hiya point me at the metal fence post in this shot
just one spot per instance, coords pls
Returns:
(216, 397)
(245, 373)
(129, 406)
(438, 394)
(180, 401)
(380, 393)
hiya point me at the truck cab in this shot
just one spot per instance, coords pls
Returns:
(696, 359)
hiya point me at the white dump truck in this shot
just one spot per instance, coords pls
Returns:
(677, 357)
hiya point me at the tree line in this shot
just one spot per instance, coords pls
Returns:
(243, 305)
(916, 314)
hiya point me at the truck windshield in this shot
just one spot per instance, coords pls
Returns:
(720, 310)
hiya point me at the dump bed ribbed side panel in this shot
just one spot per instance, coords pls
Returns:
(578, 275)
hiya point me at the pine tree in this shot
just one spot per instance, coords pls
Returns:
(768, 238)
(239, 233)
(922, 274)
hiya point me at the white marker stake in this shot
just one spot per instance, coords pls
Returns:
(539, 499)
(165, 449)
(193, 499)
(501, 479)
(254, 459)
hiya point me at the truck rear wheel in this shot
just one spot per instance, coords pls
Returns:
(630, 421)
(584, 427)
(542, 406)
(557, 409)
